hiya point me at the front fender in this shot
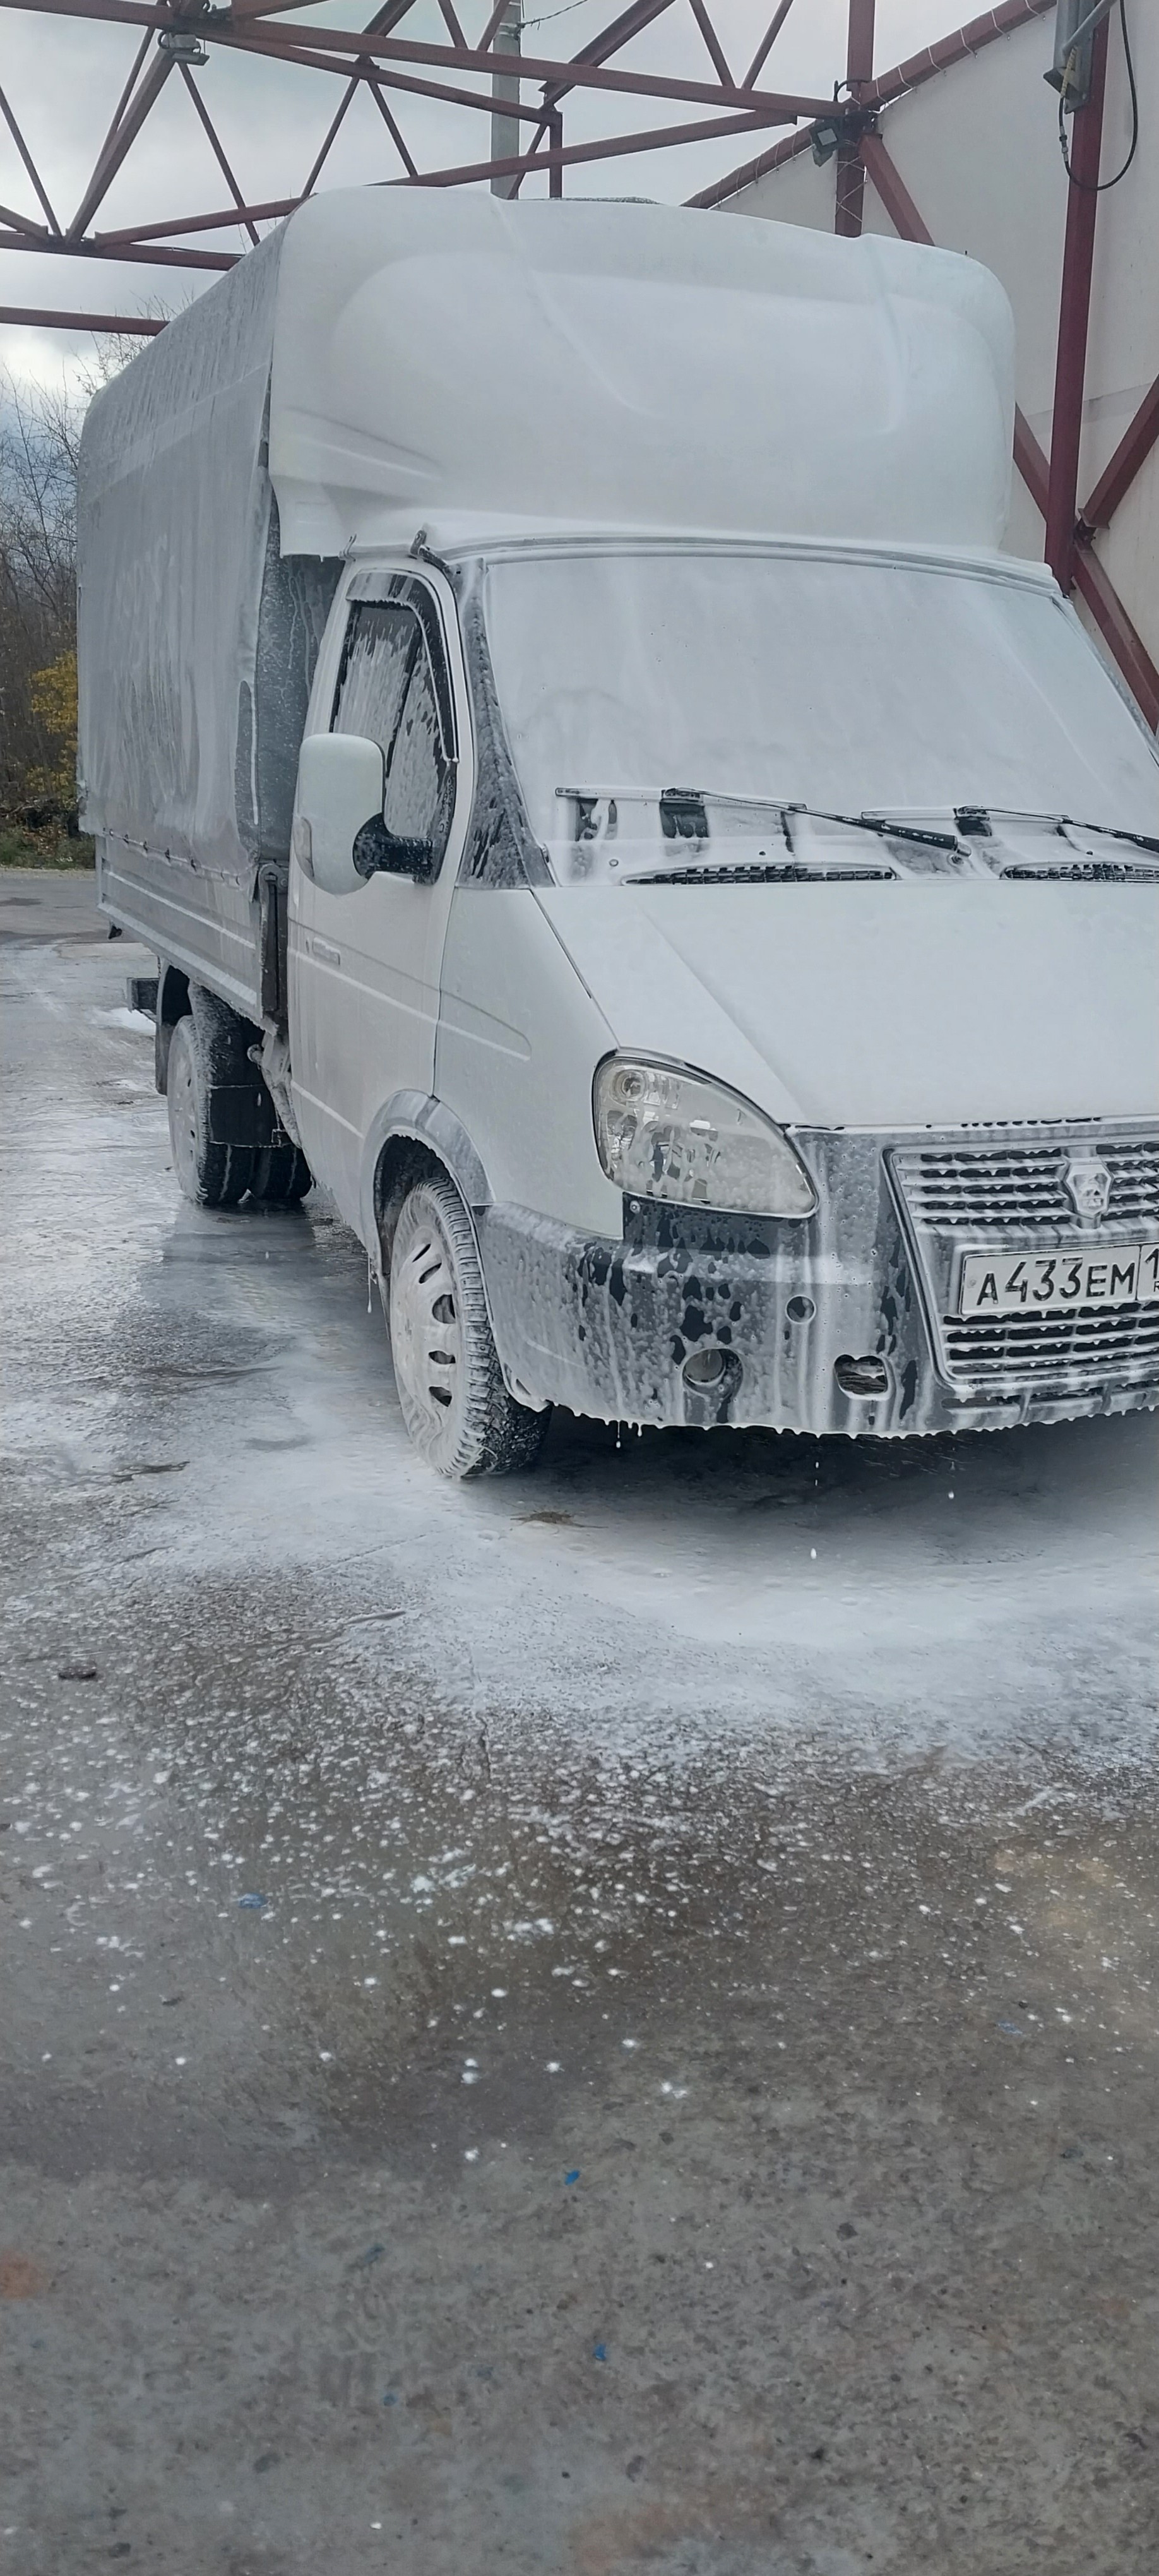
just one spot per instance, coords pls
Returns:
(430, 1122)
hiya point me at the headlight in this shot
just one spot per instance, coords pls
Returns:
(664, 1134)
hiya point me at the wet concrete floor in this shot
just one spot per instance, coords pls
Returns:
(591, 2024)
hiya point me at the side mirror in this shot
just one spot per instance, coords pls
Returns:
(341, 786)
(379, 852)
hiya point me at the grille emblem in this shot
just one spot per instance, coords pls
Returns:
(1087, 1183)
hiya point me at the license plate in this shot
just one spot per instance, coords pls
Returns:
(1021, 1283)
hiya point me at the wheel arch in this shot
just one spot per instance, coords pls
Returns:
(416, 1136)
(414, 1133)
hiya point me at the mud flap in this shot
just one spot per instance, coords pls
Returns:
(242, 1114)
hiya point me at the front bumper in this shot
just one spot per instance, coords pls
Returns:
(765, 1310)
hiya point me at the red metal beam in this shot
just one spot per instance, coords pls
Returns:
(561, 156)
(391, 78)
(23, 224)
(331, 131)
(29, 163)
(1121, 637)
(580, 72)
(150, 257)
(130, 84)
(712, 40)
(218, 150)
(111, 244)
(849, 208)
(493, 25)
(393, 128)
(768, 40)
(619, 31)
(117, 142)
(609, 40)
(1132, 451)
(888, 86)
(134, 324)
(1086, 146)
(892, 190)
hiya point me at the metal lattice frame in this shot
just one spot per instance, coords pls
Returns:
(474, 73)
(479, 74)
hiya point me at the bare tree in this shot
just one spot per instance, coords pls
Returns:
(39, 446)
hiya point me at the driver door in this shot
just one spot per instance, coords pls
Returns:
(364, 965)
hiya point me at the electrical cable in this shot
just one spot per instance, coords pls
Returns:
(545, 21)
(1099, 187)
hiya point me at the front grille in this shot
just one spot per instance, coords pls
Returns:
(1013, 1189)
(1075, 1353)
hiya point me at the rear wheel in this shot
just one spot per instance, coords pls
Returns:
(211, 1175)
(450, 1386)
(281, 1176)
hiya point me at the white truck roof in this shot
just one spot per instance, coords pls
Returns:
(456, 358)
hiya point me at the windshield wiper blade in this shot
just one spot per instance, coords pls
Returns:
(1110, 832)
(685, 799)
(888, 831)
(761, 872)
(984, 823)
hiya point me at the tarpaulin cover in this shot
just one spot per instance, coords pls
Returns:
(196, 638)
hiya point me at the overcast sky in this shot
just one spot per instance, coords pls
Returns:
(63, 76)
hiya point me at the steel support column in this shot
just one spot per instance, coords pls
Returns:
(1086, 145)
(847, 214)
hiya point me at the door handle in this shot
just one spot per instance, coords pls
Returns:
(326, 955)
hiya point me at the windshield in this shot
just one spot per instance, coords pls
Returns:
(643, 692)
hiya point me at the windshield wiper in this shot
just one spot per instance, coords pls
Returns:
(1111, 832)
(760, 872)
(889, 831)
(678, 807)
(981, 822)
(684, 815)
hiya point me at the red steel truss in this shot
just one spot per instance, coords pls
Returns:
(386, 59)
(547, 97)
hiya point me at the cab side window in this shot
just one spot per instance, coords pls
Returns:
(393, 687)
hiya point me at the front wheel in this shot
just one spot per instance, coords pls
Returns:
(209, 1174)
(454, 1403)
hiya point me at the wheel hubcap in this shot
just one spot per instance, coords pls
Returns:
(183, 1117)
(425, 1335)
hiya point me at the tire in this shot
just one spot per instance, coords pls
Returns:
(450, 1386)
(281, 1176)
(210, 1175)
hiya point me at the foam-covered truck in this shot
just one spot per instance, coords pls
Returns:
(606, 809)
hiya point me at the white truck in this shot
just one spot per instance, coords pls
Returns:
(604, 807)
